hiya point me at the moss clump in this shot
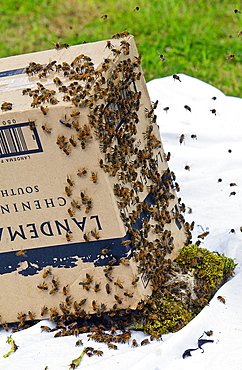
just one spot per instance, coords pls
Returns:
(190, 282)
(170, 315)
(211, 269)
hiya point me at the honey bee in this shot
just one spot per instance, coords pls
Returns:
(135, 281)
(105, 250)
(237, 11)
(44, 110)
(176, 77)
(230, 56)
(166, 109)
(118, 284)
(232, 193)
(26, 91)
(67, 150)
(233, 184)
(144, 342)
(82, 172)
(95, 234)
(75, 114)
(46, 129)
(46, 273)
(124, 261)
(125, 242)
(94, 177)
(109, 45)
(31, 315)
(83, 144)
(70, 212)
(70, 181)
(181, 138)
(162, 57)
(221, 299)
(203, 235)
(57, 45)
(61, 141)
(112, 346)
(118, 299)
(64, 45)
(45, 328)
(6, 106)
(97, 287)
(57, 81)
(73, 141)
(65, 290)
(75, 204)
(5, 326)
(53, 101)
(240, 33)
(44, 310)
(213, 111)
(22, 252)
(69, 236)
(53, 290)
(187, 168)
(66, 98)
(68, 191)
(187, 108)
(79, 343)
(108, 289)
(94, 305)
(88, 208)
(42, 286)
(168, 156)
(63, 122)
(116, 51)
(86, 237)
(136, 8)
(32, 125)
(129, 295)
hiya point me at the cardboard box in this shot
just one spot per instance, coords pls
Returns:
(87, 202)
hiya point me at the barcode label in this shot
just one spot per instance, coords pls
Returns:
(19, 139)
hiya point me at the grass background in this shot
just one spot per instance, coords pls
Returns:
(194, 35)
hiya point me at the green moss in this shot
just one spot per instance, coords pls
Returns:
(165, 312)
(211, 269)
(170, 316)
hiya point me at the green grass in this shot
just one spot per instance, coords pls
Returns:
(195, 35)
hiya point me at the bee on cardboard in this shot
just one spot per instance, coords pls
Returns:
(22, 252)
(42, 286)
(46, 129)
(75, 204)
(47, 272)
(69, 236)
(70, 212)
(75, 114)
(82, 172)
(109, 45)
(44, 110)
(94, 177)
(70, 181)
(95, 234)
(68, 191)
(6, 106)
(73, 141)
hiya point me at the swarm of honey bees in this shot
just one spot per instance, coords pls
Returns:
(111, 94)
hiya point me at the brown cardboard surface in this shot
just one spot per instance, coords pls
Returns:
(78, 227)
